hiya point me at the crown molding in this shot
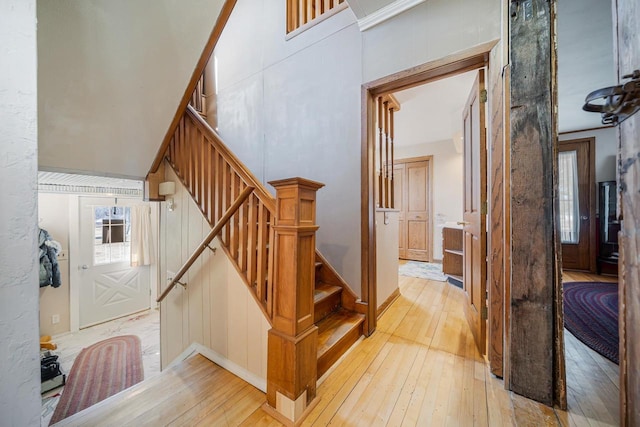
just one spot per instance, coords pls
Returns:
(387, 12)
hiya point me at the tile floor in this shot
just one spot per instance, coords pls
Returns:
(145, 325)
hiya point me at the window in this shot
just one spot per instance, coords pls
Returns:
(568, 194)
(301, 12)
(112, 234)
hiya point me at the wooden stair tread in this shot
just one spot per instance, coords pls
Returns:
(335, 327)
(324, 290)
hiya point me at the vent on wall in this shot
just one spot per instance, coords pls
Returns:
(54, 182)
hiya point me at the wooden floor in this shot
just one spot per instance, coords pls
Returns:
(420, 368)
(593, 390)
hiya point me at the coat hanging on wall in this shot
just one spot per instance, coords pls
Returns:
(49, 268)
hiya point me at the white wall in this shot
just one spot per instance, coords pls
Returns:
(111, 75)
(19, 353)
(216, 309)
(292, 107)
(448, 185)
(386, 254)
(53, 216)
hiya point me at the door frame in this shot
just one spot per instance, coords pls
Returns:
(591, 142)
(428, 159)
(466, 60)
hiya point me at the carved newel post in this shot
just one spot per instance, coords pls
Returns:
(293, 340)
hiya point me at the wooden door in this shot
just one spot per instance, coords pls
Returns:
(412, 180)
(475, 195)
(399, 203)
(627, 27)
(576, 164)
(417, 211)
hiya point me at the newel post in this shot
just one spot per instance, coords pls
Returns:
(293, 340)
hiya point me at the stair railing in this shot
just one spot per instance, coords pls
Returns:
(205, 243)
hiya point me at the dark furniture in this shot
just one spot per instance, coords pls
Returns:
(608, 228)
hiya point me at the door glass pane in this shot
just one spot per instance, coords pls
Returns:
(112, 234)
(568, 194)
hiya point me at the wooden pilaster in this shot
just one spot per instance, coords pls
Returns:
(293, 340)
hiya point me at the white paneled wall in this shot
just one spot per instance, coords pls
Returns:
(216, 309)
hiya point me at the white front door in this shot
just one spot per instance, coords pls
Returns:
(109, 286)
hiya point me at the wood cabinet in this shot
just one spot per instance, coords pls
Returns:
(453, 256)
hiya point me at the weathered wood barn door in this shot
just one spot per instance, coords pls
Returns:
(627, 26)
(475, 202)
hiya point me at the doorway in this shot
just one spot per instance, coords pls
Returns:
(475, 58)
(110, 287)
(576, 193)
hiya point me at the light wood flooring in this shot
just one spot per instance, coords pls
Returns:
(420, 368)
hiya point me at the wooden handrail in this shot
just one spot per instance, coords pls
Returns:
(205, 243)
(236, 164)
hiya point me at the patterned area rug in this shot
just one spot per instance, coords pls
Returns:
(100, 370)
(591, 315)
(422, 270)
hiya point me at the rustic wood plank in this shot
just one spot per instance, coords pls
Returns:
(533, 151)
(627, 17)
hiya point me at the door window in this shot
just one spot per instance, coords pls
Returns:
(112, 234)
(568, 194)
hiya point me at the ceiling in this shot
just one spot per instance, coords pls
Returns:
(432, 112)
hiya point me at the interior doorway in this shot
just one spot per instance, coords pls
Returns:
(476, 58)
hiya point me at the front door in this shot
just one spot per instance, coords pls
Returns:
(576, 193)
(109, 286)
(475, 202)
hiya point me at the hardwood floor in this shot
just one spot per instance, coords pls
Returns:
(593, 391)
(420, 368)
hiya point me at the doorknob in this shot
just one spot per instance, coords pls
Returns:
(462, 223)
(584, 217)
(84, 267)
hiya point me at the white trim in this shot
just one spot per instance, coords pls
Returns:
(387, 12)
(223, 362)
(74, 256)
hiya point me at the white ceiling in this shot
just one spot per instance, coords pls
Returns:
(432, 112)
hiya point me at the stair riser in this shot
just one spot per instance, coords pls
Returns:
(326, 306)
(326, 360)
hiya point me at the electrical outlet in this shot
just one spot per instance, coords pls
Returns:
(55, 319)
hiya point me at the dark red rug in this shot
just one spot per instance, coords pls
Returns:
(591, 315)
(100, 370)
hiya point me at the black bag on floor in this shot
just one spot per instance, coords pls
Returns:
(49, 368)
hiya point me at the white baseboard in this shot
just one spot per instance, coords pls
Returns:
(220, 360)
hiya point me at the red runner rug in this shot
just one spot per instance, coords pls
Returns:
(100, 370)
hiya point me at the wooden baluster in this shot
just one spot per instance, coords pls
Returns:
(243, 216)
(293, 340)
(226, 200)
(292, 15)
(197, 159)
(262, 261)
(270, 257)
(252, 250)
(213, 183)
(380, 107)
(385, 193)
(220, 186)
(392, 162)
(235, 219)
(206, 177)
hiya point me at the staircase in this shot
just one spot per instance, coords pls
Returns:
(215, 178)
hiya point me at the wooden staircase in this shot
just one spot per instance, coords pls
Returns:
(214, 177)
